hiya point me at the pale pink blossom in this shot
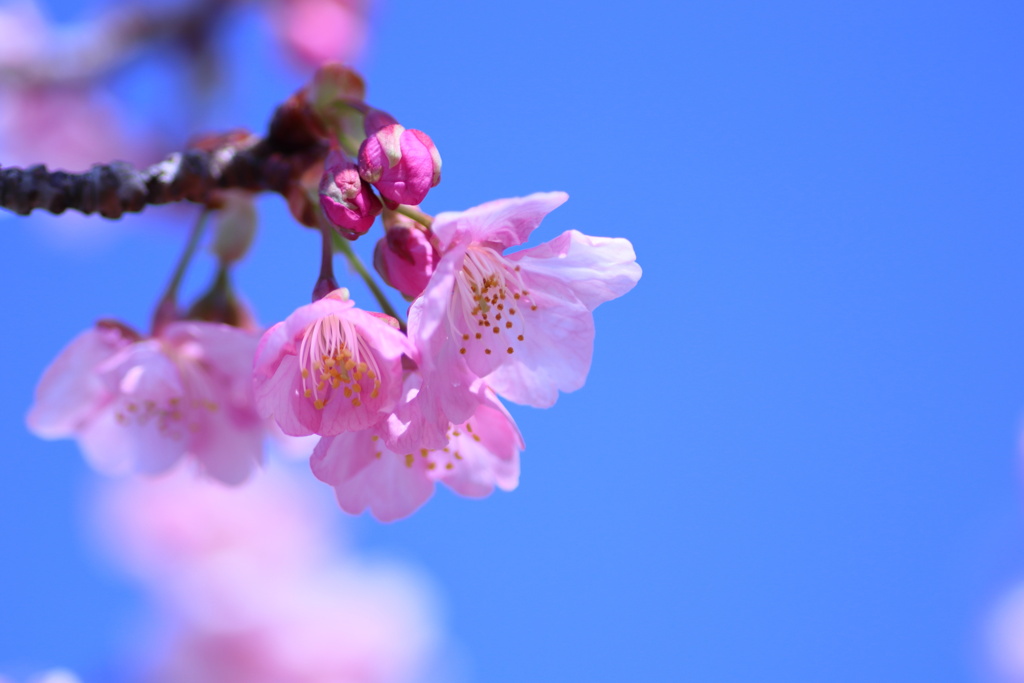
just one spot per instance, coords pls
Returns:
(521, 321)
(330, 368)
(478, 455)
(402, 164)
(405, 259)
(348, 202)
(143, 404)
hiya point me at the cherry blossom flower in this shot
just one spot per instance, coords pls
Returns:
(522, 321)
(478, 455)
(143, 404)
(330, 368)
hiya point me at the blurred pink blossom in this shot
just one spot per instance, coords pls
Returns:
(65, 128)
(253, 587)
(319, 31)
(144, 404)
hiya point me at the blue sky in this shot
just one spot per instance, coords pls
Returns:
(796, 458)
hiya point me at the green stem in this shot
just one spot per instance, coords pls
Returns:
(353, 259)
(415, 214)
(171, 292)
(167, 306)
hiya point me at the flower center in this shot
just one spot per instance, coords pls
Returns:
(334, 357)
(490, 297)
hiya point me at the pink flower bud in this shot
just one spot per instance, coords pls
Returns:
(349, 203)
(405, 259)
(402, 164)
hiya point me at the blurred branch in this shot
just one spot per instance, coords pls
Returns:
(232, 161)
(92, 49)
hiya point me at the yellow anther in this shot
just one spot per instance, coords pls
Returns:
(348, 392)
(431, 465)
(363, 367)
(462, 350)
(356, 402)
(487, 351)
(304, 373)
(318, 404)
(457, 456)
(357, 388)
(476, 437)
(374, 394)
(508, 325)
(423, 452)
(409, 459)
(374, 438)
(510, 350)
(377, 454)
(308, 393)
(448, 466)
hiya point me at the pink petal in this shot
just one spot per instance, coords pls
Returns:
(70, 392)
(597, 269)
(385, 485)
(554, 356)
(503, 223)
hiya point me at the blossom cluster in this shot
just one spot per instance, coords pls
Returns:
(250, 583)
(398, 407)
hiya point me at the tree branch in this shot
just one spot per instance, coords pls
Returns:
(233, 161)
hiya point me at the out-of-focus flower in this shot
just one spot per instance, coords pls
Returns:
(402, 164)
(348, 202)
(1005, 638)
(319, 31)
(405, 258)
(144, 404)
(65, 128)
(51, 676)
(479, 454)
(330, 368)
(521, 321)
(251, 586)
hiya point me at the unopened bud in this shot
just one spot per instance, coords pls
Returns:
(406, 259)
(235, 227)
(335, 96)
(402, 164)
(349, 203)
